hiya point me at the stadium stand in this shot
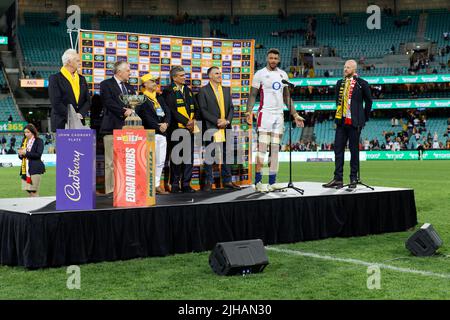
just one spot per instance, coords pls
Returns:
(7, 107)
(267, 30)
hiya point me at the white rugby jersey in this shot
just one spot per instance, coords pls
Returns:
(271, 88)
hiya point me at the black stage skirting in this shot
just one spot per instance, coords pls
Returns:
(184, 223)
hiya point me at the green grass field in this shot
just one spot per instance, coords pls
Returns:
(288, 276)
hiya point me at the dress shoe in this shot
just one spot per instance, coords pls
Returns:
(160, 190)
(231, 186)
(353, 184)
(187, 189)
(207, 187)
(175, 189)
(337, 184)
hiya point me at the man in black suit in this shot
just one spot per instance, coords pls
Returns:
(185, 113)
(351, 116)
(114, 114)
(68, 87)
(216, 108)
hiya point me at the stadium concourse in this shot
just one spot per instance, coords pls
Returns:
(406, 63)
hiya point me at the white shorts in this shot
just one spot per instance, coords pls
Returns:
(270, 122)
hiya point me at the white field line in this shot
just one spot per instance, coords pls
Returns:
(360, 262)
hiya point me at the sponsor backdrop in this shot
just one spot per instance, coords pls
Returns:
(157, 54)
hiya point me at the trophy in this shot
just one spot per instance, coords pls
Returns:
(133, 121)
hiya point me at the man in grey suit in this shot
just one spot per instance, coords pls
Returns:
(217, 110)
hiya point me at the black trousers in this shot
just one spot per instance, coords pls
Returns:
(181, 172)
(346, 133)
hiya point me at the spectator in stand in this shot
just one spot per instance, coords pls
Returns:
(11, 150)
(420, 149)
(366, 144)
(375, 144)
(10, 118)
(12, 141)
(436, 145)
(3, 142)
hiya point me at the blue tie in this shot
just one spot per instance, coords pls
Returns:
(124, 89)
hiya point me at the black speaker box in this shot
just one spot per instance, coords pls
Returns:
(238, 257)
(424, 242)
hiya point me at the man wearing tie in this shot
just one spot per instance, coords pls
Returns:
(66, 88)
(217, 110)
(351, 116)
(185, 112)
(114, 114)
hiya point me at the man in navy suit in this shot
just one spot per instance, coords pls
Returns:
(66, 88)
(114, 114)
(351, 116)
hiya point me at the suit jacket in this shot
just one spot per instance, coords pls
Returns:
(150, 120)
(361, 92)
(113, 107)
(209, 107)
(61, 95)
(171, 101)
(35, 165)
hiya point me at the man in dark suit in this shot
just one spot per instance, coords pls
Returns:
(351, 116)
(185, 113)
(114, 114)
(216, 108)
(68, 87)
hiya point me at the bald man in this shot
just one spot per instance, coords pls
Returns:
(351, 116)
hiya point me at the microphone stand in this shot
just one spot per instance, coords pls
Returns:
(291, 184)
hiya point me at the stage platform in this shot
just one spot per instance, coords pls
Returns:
(34, 235)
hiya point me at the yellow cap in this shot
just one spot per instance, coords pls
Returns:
(148, 77)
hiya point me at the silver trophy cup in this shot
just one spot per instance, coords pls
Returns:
(132, 101)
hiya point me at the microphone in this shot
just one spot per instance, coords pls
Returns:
(288, 83)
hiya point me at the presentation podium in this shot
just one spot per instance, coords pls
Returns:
(75, 169)
(134, 168)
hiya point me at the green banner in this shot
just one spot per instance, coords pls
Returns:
(377, 104)
(315, 82)
(408, 155)
(12, 126)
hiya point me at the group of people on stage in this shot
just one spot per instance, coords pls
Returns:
(178, 108)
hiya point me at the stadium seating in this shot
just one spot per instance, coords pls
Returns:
(324, 131)
(7, 108)
(438, 22)
(352, 40)
(149, 25)
(2, 79)
(296, 134)
(40, 50)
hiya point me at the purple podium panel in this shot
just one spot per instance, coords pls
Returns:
(75, 169)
